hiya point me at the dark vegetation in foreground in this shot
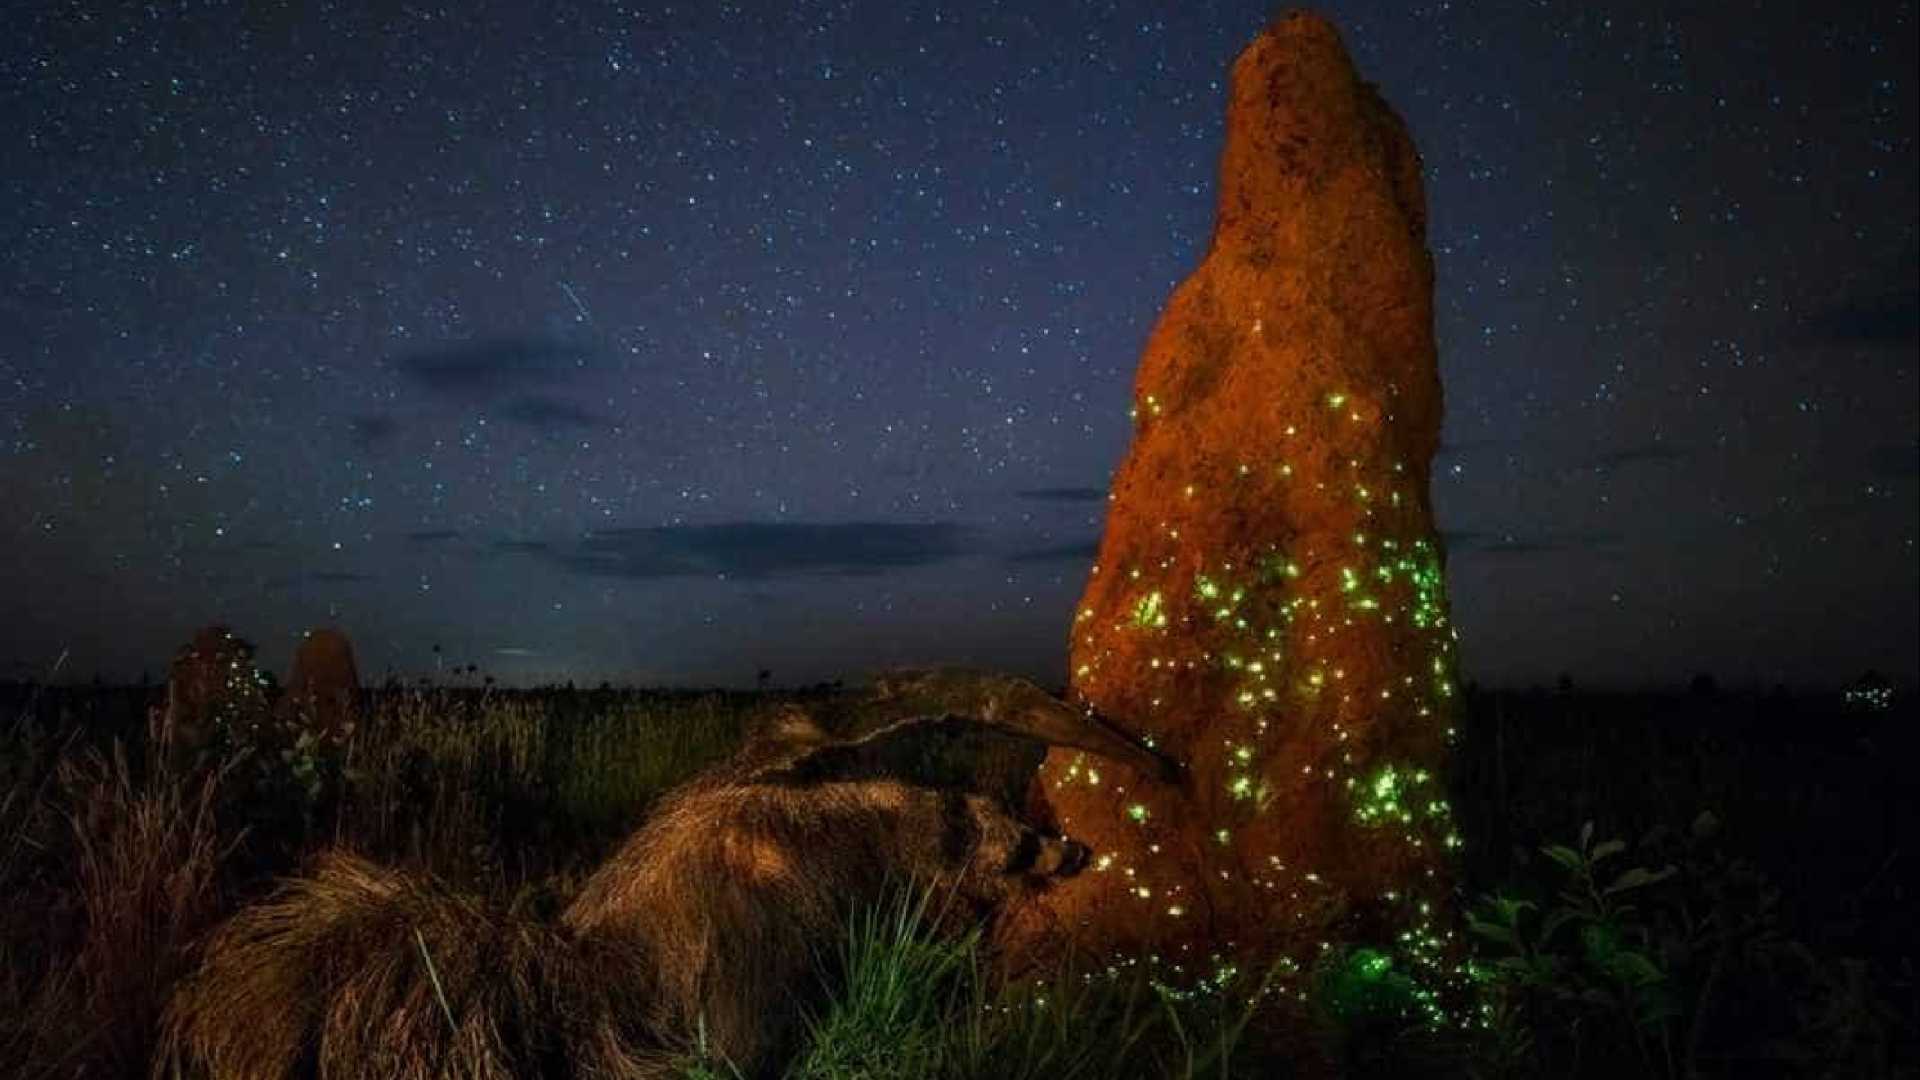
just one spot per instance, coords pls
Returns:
(1739, 904)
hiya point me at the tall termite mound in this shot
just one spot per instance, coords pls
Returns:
(323, 687)
(1268, 604)
(214, 688)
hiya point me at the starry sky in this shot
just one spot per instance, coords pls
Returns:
(667, 344)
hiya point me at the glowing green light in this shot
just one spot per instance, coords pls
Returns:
(1336, 400)
(1386, 783)
(1149, 613)
(1270, 643)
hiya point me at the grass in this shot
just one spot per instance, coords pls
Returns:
(1779, 941)
(919, 1003)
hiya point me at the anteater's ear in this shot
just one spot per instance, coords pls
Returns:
(903, 749)
(896, 683)
(773, 741)
(793, 724)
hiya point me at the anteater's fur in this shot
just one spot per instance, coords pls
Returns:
(343, 974)
(710, 924)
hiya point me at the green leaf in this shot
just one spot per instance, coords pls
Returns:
(1586, 835)
(1705, 825)
(1635, 969)
(1503, 910)
(1559, 918)
(1638, 877)
(1606, 848)
(1565, 856)
(1493, 932)
(1602, 941)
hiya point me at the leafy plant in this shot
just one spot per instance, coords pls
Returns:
(1676, 953)
(1593, 959)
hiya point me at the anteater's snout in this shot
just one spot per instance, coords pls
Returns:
(1048, 857)
(1074, 857)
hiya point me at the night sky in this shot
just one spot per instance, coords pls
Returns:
(667, 344)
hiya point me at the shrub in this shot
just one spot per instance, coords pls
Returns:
(1658, 964)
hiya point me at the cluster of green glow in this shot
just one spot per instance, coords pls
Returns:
(1219, 602)
(1150, 613)
(1276, 628)
(1398, 796)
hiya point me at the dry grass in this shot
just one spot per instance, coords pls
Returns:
(146, 859)
(359, 970)
(117, 858)
(119, 852)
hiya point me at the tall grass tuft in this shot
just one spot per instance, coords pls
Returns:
(903, 982)
(32, 990)
(610, 766)
(1068, 1024)
(148, 855)
(916, 1001)
(490, 787)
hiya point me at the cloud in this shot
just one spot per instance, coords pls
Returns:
(490, 368)
(759, 550)
(551, 414)
(433, 536)
(1885, 319)
(373, 429)
(521, 547)
(337, 577)
(1082, 551)
(1063, 494)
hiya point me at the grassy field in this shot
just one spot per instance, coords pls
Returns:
(1675, 886)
